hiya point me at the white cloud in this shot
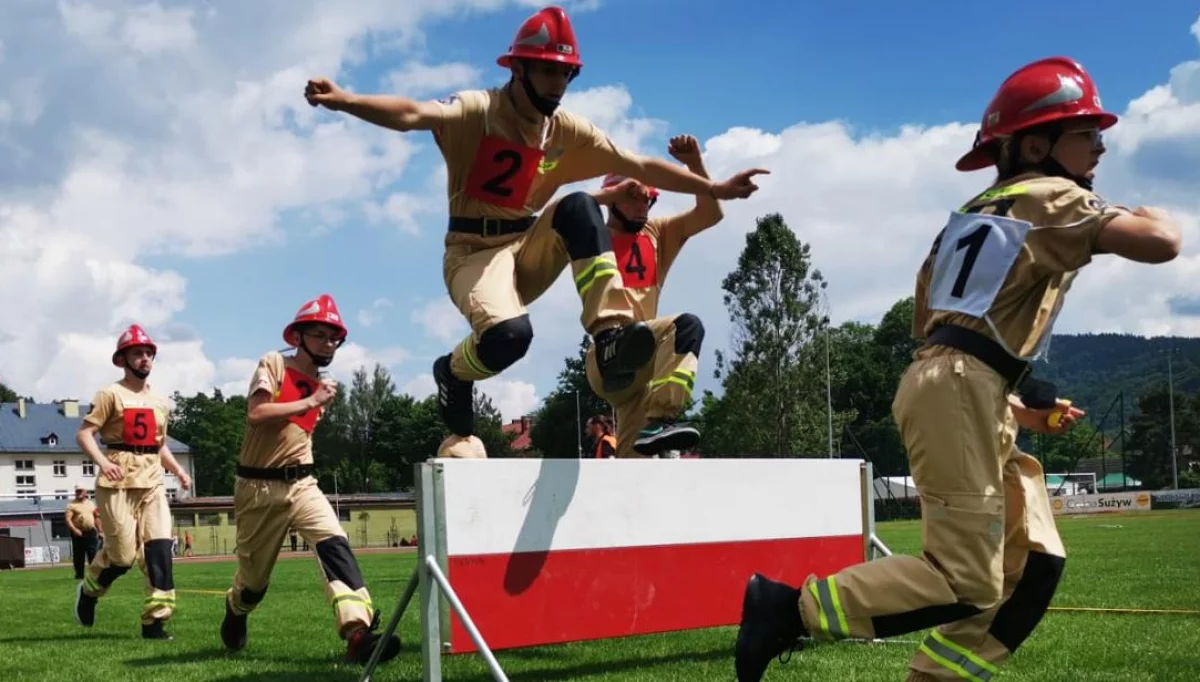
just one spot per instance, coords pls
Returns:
(371, 316)
(194, 140)
(441, 320)
(418, 79)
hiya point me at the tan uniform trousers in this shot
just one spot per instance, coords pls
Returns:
(984, 509)
(660, 389)
(494, 284)
(131, 517)
(265, 510)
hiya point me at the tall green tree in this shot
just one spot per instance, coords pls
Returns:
(1149, 443)
(489, 427)
(557, 431)
(212, 427)
(774, 380)
(7, 395)
(364, 404)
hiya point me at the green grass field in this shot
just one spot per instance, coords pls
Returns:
(1149, 560)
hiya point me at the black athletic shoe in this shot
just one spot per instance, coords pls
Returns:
(662, 435)
(85, 608)
(456, 400)
(361, 644)
(770, 626)
(621, 352)
(155, 631)
(233, 629)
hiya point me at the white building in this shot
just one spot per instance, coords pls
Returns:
(39, 457)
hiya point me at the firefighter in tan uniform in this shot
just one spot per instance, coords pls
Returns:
(81, 515)
(646, 248)
(275, 489)
(987, 297)
(507, 151)
(131, 420)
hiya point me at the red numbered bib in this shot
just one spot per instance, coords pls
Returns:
(298, 386)
(638, 259)
(139, 427)
(503, 172)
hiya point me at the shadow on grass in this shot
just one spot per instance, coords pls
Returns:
(605, 667)
(82, 637)
(294, 676)
(193, 656)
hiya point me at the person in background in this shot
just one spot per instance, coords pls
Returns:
(600, 428)
(81, 520)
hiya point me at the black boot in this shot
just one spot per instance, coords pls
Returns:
(155, 631)
(85, 608)
(233, 629)
(362, 642)
(661, 435)
(770, 626)
(456, 399)
(620, 352)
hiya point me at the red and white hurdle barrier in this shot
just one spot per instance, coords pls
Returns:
(527, 552)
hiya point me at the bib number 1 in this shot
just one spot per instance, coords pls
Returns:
(973, 256)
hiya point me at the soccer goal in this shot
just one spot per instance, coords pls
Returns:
(1071, 484)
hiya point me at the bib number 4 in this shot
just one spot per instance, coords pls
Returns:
(139, 426)
(637, 258)
(972, 259)
(503, 173)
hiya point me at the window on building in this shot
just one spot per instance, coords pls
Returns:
(89, 468)
(172, 493)
(210, 519)
(26, 494)
(343, 514)
(24, 465)
(60, 467)
(28, 480)
(231, 518)
(62, 494)
(185, 520)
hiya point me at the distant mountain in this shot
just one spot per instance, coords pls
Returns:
(1091, 370)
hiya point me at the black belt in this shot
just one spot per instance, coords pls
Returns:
(136, 449)
(491, 227)
(1035, 393)
(293, 472)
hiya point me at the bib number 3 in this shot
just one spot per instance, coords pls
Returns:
(139, 426)
(503, 173)
(973, 256)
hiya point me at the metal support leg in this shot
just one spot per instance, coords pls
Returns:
(878, 545)
(401, 607)
(493, 665)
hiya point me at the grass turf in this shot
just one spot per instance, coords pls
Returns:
(1148, 560)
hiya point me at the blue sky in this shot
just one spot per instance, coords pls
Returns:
(179, 100)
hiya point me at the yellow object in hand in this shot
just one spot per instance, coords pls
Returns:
(1056, 416)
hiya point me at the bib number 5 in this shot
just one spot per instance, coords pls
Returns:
(139, 426)
(503, 173)
(973, 256)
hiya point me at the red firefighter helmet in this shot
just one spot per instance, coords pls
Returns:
(1051, 89)
(613, 179)
(134, 336)
(321, 309)
(545, 36)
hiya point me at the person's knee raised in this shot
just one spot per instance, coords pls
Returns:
(505, 343)
(689, 334)
(578, 220)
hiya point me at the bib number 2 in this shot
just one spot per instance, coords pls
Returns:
(298, 386)
(503, 173)
(973, 256)
(139, 427)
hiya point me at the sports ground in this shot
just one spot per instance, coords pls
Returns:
(1144, 561)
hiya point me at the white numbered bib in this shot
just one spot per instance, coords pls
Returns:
(973, 258)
